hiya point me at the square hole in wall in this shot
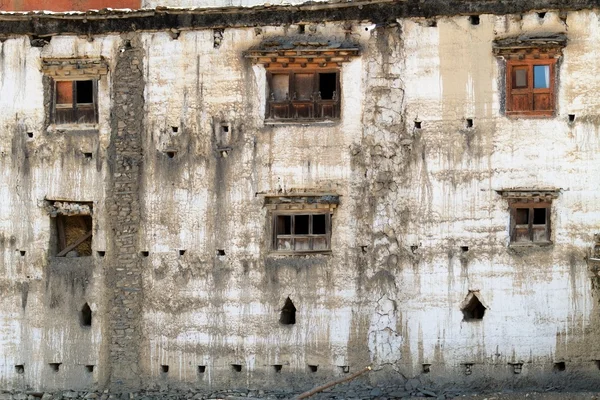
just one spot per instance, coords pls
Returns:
(277, 368)
(313, 368)
(344, 369)
(201, 369)
(236, 367)
(101, 253)
(89, 368)
(20, 369)
(164, 369)
(560, 366)
(144, 253)
(74, 236)
(426, 368)
(54, 366)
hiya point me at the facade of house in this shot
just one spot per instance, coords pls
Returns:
(286, 194)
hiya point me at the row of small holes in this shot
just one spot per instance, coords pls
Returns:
(220, 252)
(238, 368)
(20, 369)
(470, 124)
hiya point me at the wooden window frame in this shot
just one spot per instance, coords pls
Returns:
(530, 91)
(78, 111)
(530, 227)
(317, 109)
(327, 235)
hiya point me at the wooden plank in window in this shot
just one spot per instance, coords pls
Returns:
(542, 102)
(64, 93)
(520, 102)
(304, 86)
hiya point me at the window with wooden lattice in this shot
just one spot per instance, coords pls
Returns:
(75, 102)
(303, 94)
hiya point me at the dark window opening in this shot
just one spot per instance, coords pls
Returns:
(301, 29)
(220, 252)
(301, 224)
(74, 233)
(164, 369)
(469, 123)
(571, 117)
(522, 216)
(55, 366)
(313, 368)
(201, 369)
(236, 367)
(474, 19)
(85, 315)
(181, 252)
(20, 369)
(417, 124)
(426, 368)
(89, 368)
(74, 102)
(328, 85)
(288, 313)
(277, 368)
(560, 366)
(301, 232)
(539, 216)
(474, 310)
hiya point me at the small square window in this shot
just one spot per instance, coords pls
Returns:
(74, 235)
(302, 232)
(530, 223)
(75, 102)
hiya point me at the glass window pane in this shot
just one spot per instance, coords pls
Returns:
(519, 78)
(301, 225)
(64, 92)
(280, 86)
(541, 76)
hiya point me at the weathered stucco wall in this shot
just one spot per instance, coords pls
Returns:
(165, 201)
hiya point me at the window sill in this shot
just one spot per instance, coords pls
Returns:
(300, 253)
(302, 122)
(529, 115)
(62, 128)
(530, 244)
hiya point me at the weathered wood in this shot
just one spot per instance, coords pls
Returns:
(75, 244)
(331, 384)
(60, 227)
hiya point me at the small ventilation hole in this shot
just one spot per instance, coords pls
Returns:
(468, 368)
(363, 249)
(88, 155)
(541, 15)
(344, 369)
(236, 367)
(474, 19)
(29, 135)
(20, 369)
(101, 253)
(175, 129)
(313, 368)
(517, 368)
(220, 252)
(55, 366)
(469, 123)
(288, 313)
(474, 310)
(560, 366)
(414, 248)
(89, 368)
(164, 369)
(571, 117)
(22, 252)
(301, 28)
(201, 369)
(426, 368)
(171, 154)
(85, 315)
(464, 248)
(277, 368)
(417, 124)
(181, 252)
(144, 253)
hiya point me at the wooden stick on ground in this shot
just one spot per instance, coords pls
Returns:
(330, 384)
